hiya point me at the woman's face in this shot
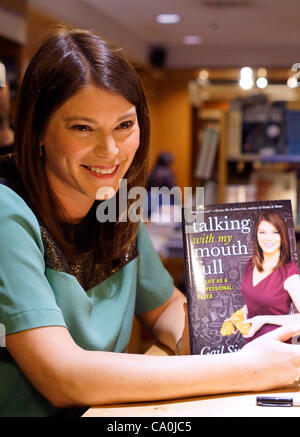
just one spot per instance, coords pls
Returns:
(268, 238)
(90, 142)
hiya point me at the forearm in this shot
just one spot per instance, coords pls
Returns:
(68, 375)
(169, 327)
(106, 378)
(167, 322)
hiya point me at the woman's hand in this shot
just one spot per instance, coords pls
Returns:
(256, 323)
(273, 363)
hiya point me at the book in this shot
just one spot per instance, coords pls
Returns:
(218, 245)
(207, 152)
(234, 119)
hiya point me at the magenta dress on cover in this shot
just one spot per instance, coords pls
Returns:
(268, 297)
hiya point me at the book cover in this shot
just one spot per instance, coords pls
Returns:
(219, 243)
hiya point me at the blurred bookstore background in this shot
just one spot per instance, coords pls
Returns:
(221, 78)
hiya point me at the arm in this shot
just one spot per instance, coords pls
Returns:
(168, 323)
(68, 375)
(292, 286)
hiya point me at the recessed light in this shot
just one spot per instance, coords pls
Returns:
(262, 82)
(292, 82)
(192, 39)
(168, 18)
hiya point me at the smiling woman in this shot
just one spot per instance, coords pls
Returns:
(87, 146)
(270, 285)
(80, 101)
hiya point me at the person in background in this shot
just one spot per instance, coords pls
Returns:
(6, 131)
(161, 175)
(70, 285)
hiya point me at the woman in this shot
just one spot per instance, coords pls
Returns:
(271, 279)
(69, 285)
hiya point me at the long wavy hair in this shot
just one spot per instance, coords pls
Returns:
(69, 60)
(277, 221)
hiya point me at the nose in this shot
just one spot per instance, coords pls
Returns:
(106, 147)
(269, 237)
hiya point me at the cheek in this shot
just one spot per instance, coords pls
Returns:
(131, 145)
(61, 148)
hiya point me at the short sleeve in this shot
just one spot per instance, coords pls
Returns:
(154, 283)
(291, 269)
(26, 298)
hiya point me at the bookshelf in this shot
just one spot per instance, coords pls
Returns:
(203, 119)
(235, 168)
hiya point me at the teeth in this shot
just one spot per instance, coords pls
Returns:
(102, 170)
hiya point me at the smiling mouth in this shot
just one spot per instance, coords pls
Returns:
(102, 171)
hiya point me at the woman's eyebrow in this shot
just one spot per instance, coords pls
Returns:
(91, 120)
(128, 114)
(80, 117)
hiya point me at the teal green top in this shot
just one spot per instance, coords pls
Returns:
(33, 295)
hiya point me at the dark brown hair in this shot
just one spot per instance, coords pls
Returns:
(69, 60)
(277, 221)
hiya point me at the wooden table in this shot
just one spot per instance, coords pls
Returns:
(225, 405)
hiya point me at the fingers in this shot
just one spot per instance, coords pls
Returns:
(285, 332)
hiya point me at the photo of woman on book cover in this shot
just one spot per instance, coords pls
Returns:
(271, 281)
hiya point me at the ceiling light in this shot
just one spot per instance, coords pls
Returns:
(262, 82)
(168, 18)
(246, 72)
(192, 39)
(203, 75)
(246, 78)
(292, 82)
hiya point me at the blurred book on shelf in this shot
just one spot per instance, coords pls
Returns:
(207, 152)
(234, 120)
(276, 185)
(210, 192)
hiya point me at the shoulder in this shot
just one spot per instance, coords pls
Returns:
(15, 214)
(290, 268)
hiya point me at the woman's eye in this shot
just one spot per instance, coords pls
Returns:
(81, 127)
(125, 125)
